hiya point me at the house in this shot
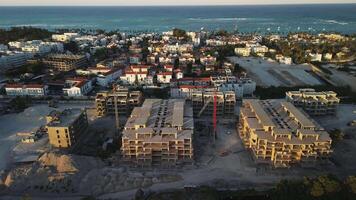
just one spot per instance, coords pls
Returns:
(259, 49)
(315, 57)
(26, 89)
(164, 77)
(245, 52)
(75, 87)
(178, 74)
(135, 59)
(168, 68)
(284, 60)
(105, 79)
(137, 74)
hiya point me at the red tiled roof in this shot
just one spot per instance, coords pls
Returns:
(192, 86)
(164, 74)
(16, 85)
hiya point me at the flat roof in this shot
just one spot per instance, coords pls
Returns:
(299, 116)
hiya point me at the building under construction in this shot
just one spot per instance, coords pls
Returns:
(280, 134)
(64, 62)
(203, 102)
(125, 101)
(314, 103)
(159, 133)
(64, 128)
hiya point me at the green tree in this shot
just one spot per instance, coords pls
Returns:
(336, 135)
(351, 183)
(317, 189)
(71, 46)
(179, 33)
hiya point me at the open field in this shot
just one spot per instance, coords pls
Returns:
(27, 121)
(270, 73)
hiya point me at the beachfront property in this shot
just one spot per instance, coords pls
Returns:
(17, 89)
(159, 133)
(64, 62)
(125, 101)
(279, 134)
(64, 128)
(314, 103)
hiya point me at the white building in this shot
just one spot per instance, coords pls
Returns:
(66, 37)
(26, 90)
(77, 87)
(13, 59)
(178, 74)
(105, 79)
(328, 56)
(259, 49)
(315, 57)
(3, 47)
(208, 60)
(284, 60)
(41, 48)
(164, 77)
(244, 51)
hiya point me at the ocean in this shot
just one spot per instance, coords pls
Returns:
(261, 19)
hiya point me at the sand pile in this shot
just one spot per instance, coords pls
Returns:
(52, 173)
(62, 163)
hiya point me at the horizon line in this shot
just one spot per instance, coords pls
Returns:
(171, 5)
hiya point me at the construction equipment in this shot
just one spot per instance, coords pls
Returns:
(214, 113)
(117, 119)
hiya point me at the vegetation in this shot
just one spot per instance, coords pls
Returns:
(179, 33)
(20, 103)
(101, 54)
(71, 46)
(25, 33)
(33, 68)
(324, 187)
(336, 135)
(238, 69)
(222, 33)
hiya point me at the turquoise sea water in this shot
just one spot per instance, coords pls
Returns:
(276, 18)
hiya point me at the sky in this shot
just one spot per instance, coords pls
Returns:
(159, 2)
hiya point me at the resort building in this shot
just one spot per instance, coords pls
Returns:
(159, 133)
(64, 128)
(314, 103)
(279, 134)
(126, 101)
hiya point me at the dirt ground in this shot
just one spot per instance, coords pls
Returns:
(224, 162)
(27, 121)
(270, 73)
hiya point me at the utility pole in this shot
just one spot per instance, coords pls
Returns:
(117, 119)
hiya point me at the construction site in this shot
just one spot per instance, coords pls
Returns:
(121, 99)
(206, 102)
(278, 133)
(314, 103)
(160, 132)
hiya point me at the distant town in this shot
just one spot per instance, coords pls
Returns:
(114, 115)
